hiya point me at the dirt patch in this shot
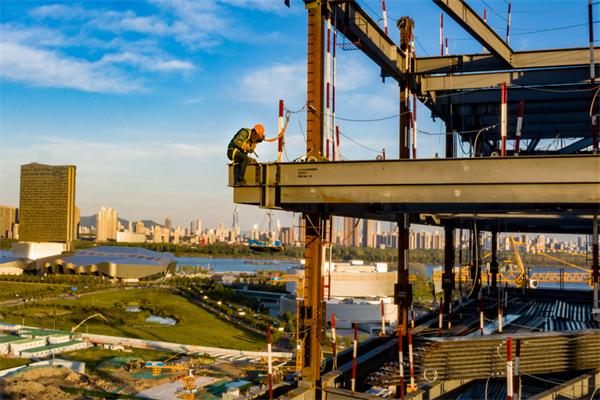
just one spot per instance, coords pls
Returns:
(42, 383)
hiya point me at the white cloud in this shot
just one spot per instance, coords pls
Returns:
(280, 81)
(46, 68)
(192, 100)
(58, 11)
(106, 168)
(147, 62)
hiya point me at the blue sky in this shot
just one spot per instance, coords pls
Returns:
(143, 96)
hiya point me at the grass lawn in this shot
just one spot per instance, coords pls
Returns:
(95, 356)
(9, 290)
(195, 325)
(6, 363)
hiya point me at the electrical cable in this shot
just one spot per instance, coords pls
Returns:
(359, 144)
(494, 11)
(422, 47)
(558, 28)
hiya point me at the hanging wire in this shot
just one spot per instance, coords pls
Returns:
(359, 144)
(493, 10)
(422, 47)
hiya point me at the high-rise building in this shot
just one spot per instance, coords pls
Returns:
(351, 232)
(139, 227)
(169, 224)
(47, 203)
(368, 234)
(106, 224)
(196, 227)
(8, 218)
(236, 220)
(76, 222)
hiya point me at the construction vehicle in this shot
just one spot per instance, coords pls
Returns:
(158, 366)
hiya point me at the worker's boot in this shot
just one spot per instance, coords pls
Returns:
(236, 174)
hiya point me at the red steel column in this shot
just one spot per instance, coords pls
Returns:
(517, 382)
(384, 16)
(484, 20)
(593, 78)
(328, 90)
(481, 316)
(509, 369)
(440, 317)
(333, 341)
(354, 354)
(400, 389)
(382, 319)
(500, 312)
(441, 34)
(279, 129)
(337, 154)
(503, 119)
(414, 127)
(411, 366)
(595, 266)
(270, 361)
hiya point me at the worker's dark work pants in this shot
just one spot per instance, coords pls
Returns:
(240, 162)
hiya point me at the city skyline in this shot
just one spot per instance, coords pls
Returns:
(139, 95)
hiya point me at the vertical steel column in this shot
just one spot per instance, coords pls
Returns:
(269, 361)
(403, 289)
(315, 79)
(313, 310)
(405, 24)
(494, 260)
(503, 118)
(593, 78)
(448, 277)
(509, 369)
(311, 313)
(333, 341)
(400, 387)
(595, 266)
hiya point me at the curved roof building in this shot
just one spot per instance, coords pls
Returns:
(125, 263)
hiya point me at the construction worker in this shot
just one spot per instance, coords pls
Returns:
(243, 143)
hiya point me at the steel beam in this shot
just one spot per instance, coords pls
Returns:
(520, 60)
(315, 80)
(448, 278)
(403, 288)
(565, 95)
(534, 77)
(311, 312)
(406, 30)
(491, 184)
(470, 21)
(359, 28)
(575, 147)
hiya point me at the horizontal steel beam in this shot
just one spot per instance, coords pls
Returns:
(470, 21)
(520, 60)
(558, 76)
(476, 185)
(491, 96)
